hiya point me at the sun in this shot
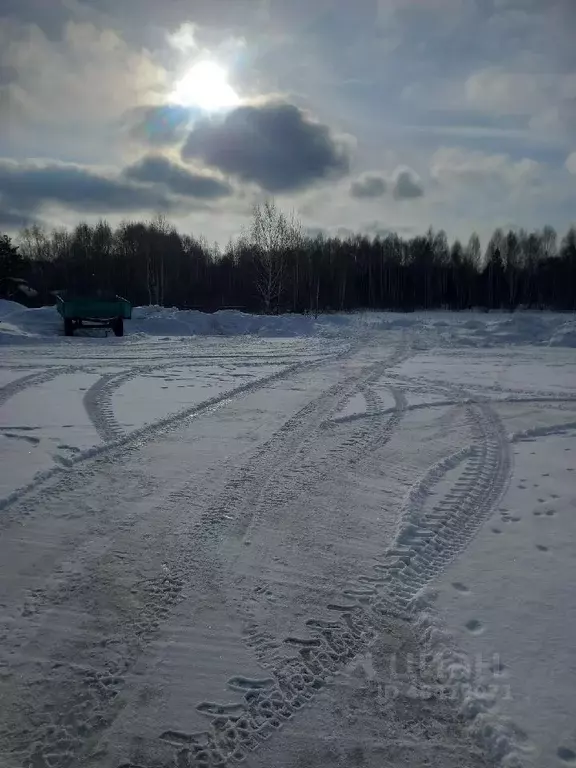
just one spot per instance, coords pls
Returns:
(206, 86)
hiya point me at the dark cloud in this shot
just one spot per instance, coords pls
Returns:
(369, 185)
(162, 125)
(11, 221)
(274, 144)
(407, 186)
(159, 170)
(25, 187)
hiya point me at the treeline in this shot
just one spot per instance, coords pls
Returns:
(275, 267)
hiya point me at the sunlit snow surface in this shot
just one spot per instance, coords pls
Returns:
(220, 520)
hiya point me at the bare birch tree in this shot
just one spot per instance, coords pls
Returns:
(272, 237)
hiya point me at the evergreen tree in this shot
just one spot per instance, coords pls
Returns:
(11, 261)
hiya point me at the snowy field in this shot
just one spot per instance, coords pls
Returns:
(228, 539)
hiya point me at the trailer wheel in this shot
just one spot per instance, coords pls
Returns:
(68, 327)
(118, 326)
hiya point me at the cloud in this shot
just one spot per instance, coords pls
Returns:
(404, 184)
(533, 91)
(87, 81)
(387, 7)
(161, 125)
(467, 132)
(11, 221)
(313, 231)
(227, 14)
(558, 121)
(380, 229)
(368, 185)
(407, 186)
(275, 144)
(87, 78)
(409, 12)
(495, 89)
(159, 170)
(26, 187)
(571, 163)
(454, 165)
(184, 39)
(536, 6)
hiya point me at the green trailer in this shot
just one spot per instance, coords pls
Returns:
(102, 311)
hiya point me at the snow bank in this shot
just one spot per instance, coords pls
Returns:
(156, 321)
(19, 324)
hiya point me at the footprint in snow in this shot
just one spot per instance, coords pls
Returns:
(541, 547)
(550, 512)
(496, 530)
(459, 587)
(566, 755)
(515, 519)
(474, 626)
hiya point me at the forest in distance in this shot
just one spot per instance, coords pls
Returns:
(275, 267)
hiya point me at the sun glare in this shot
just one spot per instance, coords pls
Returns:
(206, 86)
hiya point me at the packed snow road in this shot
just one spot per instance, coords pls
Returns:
(307, 551)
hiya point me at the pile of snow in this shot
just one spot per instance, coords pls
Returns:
(158, 321)
(19, 324)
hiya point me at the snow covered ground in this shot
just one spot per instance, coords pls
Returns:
(221, 520)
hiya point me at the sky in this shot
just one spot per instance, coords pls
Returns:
(368, 116)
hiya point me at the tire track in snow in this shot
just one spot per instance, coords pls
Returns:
(268, 703)
(464, 400)
(98, 402)
(379, 429)
(98, 398)
(82, 686)
(33, 380)
(373, 403)
(143, 435)
(543, 431)
(85, 695)
(300, 474)
(429, 540)
(284, 456)
(425, 545)
(482, 391)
